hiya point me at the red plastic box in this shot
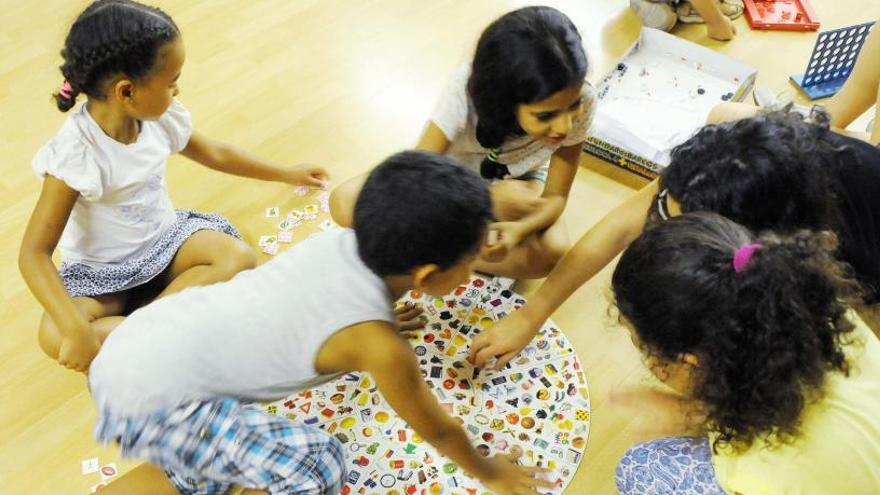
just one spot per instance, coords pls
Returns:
(781, 15)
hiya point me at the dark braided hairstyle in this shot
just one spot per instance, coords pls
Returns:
(765, 335)
(111, 37)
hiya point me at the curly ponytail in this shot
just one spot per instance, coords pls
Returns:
(765, 337)
(111, 37)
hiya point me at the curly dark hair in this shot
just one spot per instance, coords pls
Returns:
(112, 37)
(765, 172)
(523, 57)
(764, 338)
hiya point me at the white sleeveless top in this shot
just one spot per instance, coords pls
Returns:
(253, 338)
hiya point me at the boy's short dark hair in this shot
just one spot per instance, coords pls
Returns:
(418, 208)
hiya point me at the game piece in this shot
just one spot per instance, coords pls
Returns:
(285, 236)
(657, 96)
(781, 15)
(537, 406)
(328, 225)
(272, 212)
(108, 471)
(301, 190)
(832, 60)
(90, 466)
(271, 248)
(265, 240)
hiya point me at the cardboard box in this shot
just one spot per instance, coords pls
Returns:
(657, 96)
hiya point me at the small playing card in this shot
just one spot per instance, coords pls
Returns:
(286, 224)
(285, 236)
(90, 466)
(492, 238)
(295, 215)
(108, 471)
(311, 210)
(271, 249)
(265, 240)
(301, 190)
(328, 225)
(272, 212)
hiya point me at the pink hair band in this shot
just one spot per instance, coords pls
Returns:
(743, 256)
(66, 89)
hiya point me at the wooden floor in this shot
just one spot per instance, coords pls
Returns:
(341, 84)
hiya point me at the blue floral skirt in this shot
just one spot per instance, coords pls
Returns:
(668, 466)
(83, 280)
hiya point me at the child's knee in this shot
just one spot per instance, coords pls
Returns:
(49, 336)
(550, 254)
(238, 259)
(342, 201)
(657, 15)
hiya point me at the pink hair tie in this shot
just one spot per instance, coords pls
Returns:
(743, 256)
(66, 89)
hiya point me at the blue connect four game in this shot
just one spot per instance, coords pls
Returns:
(832, 60)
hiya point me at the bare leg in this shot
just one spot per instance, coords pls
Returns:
(859, 91)
(103, 313)
(208, 257)
(870, 314)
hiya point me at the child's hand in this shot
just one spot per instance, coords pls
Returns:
(724, 30)
(504, 340)
(501, 238)
(307, 175)
(408, 317)
(77, 352)
(511, 479)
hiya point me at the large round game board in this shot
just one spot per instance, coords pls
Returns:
(538, 406)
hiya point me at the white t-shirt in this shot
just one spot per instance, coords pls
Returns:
(253, 338)
(456, 116)
(123, 206)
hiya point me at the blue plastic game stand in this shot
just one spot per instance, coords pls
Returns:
(832, 60)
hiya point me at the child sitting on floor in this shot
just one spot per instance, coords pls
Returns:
(777, 382)
(169, 382)
(665, 14)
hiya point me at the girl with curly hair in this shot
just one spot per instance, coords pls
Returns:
(777, 382)
(771, 171)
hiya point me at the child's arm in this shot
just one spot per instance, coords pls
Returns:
(79, 344)
(718, 26)
(433, 140)
(232, 160)
(859, 91)
(585, 259)
(546, 210)
(376, 347)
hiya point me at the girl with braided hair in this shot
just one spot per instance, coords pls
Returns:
(104, 200)
(774, 383)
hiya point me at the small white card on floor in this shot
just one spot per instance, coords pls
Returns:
(90, 466)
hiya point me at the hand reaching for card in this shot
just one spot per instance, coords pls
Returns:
(504, 340)
(307, 175)
(408, 317)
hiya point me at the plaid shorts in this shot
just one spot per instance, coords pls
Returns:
(206, 447)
